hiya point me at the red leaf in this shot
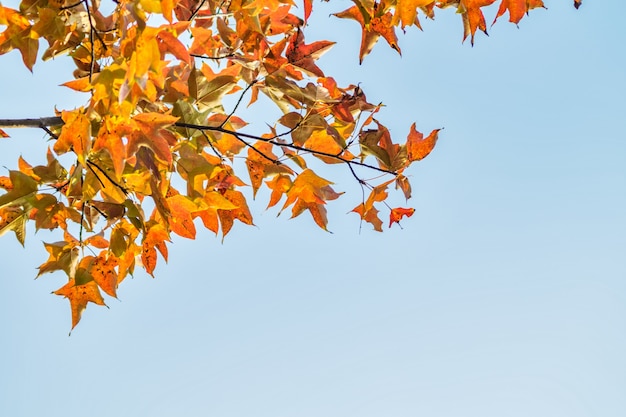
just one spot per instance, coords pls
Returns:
(398, 213)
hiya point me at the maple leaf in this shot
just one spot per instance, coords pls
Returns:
(419, 147)
(148, 129)
(304, 56)
(406, 12)
(577, 3)
(17, 35)
(398, 213)
(154, 239)
(109, 139)
(79, 296)
(262, 162)
(376, 27)
(75, 135)
(15, 220)
(310, 192)
(102, 270)
(181, 220)
(471, 13)
(517, 9)
(22, 188)
(241, 212)
(368, 211)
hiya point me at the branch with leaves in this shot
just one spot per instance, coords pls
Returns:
(154, 151)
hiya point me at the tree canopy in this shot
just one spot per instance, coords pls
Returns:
(160, 146)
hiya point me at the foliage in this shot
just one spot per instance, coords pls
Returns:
(158, 151)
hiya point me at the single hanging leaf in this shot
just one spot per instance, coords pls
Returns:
(471, 13)
(398, 213)
(79, 296)
(241, 213)
(517, 9)
(368, 211)
(577, 3)
(376, 27)
(419, 147)
(310, 192)
(15, 220)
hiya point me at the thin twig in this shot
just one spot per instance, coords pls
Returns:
(229, 55)
(124, 190)
(243, 93)
(285, 145)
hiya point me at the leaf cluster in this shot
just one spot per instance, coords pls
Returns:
(156, 151)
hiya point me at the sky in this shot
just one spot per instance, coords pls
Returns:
(503, 296)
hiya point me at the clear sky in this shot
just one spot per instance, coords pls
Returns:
(503, 296)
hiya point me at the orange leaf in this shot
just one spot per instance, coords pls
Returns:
(181, 220)
(473, 17)
(406, 11)
(517, 8)
(174, 46)
(81, 84)
(75, 135)
(97, 241)
(241, 213)
(102, 270)
(3, 134)
(304, 56)
(308, 7)
(376, 27)
(79, 296)
(398, 213)
(418, 148)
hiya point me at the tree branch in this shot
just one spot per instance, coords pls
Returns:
(41, 122)
(54, 121)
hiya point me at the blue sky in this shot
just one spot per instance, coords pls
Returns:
(503, 296)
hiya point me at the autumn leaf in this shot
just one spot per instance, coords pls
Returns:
(181, 220)
(22, 188)
(154, 239)
(15, 220)
(368, 211)
(262, 162)
(517, 9)
(75, 135)
(473, 17)
(398, 213)
(310, 192)
(102, 270)
(419, 147)
(241, 212)
(79, 296)
(406, 12)
(3, 134)
(376, 27)
(17, 35)
(304, 56)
